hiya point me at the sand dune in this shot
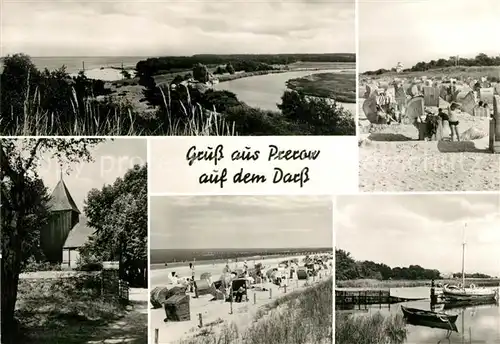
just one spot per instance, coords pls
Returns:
(218, 312)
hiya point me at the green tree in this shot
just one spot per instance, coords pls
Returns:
(230, 68)
(177, 80)
(17, 81)
(320, 116)
(126, 74)
(200, 73)
(119, 213)
(23, 201)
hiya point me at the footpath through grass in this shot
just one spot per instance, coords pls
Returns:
(301, 317)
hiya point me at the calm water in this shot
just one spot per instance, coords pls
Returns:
(475, 324)
(74, 63)
(265, 91)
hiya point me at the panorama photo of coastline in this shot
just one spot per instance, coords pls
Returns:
(241, 269)
(420, 268)
(220, 68)
(429, 107)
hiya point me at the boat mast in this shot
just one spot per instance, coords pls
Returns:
(463, 257)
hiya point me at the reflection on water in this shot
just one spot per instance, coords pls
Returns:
(265, 91)
(475, 324)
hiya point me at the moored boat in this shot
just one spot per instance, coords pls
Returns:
(415, 315)
(432, 324)
(470, 293)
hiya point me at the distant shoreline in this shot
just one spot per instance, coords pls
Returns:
(161, 265)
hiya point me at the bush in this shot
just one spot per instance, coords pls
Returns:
(96, 266)
(319, 116)
(33, 266)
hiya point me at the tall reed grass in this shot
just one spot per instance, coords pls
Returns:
(369, 329)
(107, 117)
(302, 317)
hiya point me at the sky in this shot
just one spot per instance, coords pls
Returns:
(240, 222)
(425, 230)
(112, 159)
(422, 30)
(176, 27)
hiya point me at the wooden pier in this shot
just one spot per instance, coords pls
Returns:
(348, 299)
(362, 297)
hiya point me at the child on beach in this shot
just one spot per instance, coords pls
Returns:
(453, 120)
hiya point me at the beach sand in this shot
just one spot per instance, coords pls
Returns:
(393, 160)
(105, 74)
(217, 313)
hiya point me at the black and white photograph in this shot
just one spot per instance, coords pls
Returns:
(74, 219)
(241, 269)
(182, 68)
(429, 95)
(418, 268)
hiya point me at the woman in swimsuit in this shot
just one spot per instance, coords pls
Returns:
(453, 120)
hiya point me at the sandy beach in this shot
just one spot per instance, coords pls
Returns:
(216, 314)
(106, 74)
(392, 159)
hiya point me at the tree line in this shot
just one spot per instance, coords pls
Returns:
(248, 63)
(481, 60)
(347, 268)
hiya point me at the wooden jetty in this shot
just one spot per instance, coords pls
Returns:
(367, 297)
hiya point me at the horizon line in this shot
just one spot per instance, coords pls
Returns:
(178, 55)
(243, 248)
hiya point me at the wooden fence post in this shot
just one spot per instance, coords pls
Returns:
(157, 335)
(200, 318)
(231, 302)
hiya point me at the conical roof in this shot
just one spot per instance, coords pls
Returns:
(61, 199)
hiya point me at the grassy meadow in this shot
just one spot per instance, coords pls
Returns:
(297, 318)
(70, 310)
(339, 86)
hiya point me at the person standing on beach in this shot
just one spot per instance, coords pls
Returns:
(453, 120)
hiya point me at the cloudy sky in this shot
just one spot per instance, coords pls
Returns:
(240, 222)
(425, 230)
(422, 30)
(176, 27)
(112, 160)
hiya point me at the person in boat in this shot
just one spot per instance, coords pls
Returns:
(453, 120)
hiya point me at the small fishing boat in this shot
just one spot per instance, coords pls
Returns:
(471, 293)
(415, 315)
(433, 324)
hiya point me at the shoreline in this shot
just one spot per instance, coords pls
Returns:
(157, 266)
(367, 284)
